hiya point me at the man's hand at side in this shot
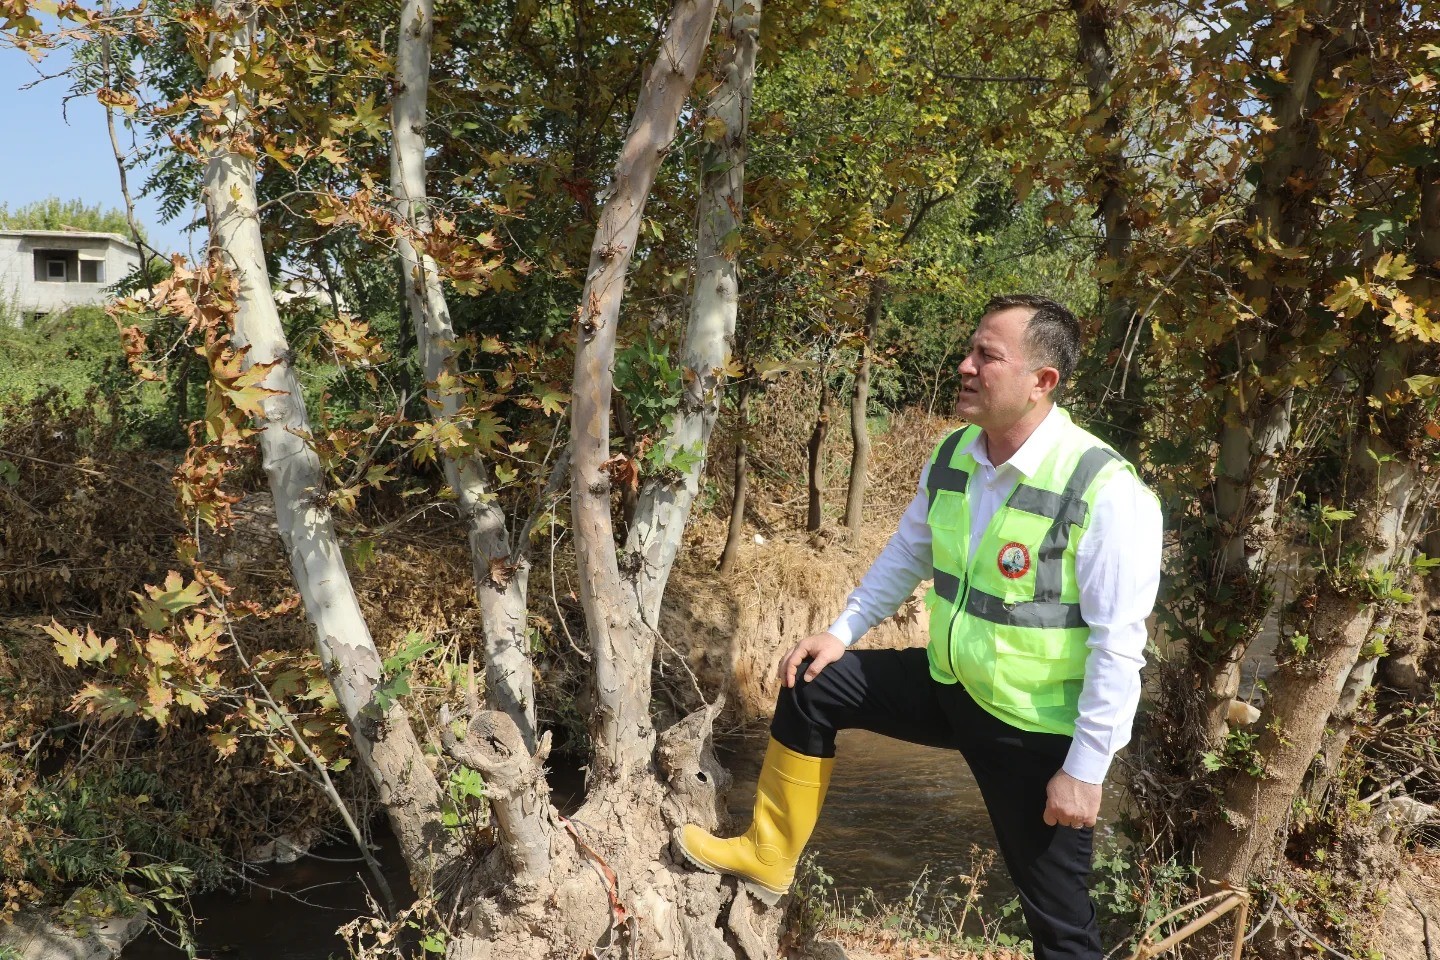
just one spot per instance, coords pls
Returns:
(1070, 802)
(824, 648)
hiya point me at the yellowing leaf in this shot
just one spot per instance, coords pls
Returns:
(501, 278)
(73, 648)
(224, 742)
(105, 702)
(161, 651)
(1393, 266)
(175, 595)
(485, 432)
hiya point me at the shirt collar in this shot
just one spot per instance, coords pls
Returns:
(1027, 459)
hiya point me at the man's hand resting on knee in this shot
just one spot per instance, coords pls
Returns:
(1070, 802)
(823, 648)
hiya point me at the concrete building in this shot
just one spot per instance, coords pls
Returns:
(46, 271)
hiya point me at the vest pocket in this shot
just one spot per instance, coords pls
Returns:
(1034, 670)
(948, 510)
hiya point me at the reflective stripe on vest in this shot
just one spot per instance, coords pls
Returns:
(1006, 621)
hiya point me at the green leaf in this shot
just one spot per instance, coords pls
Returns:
(361, 553)
(414, 647)
(552, 401)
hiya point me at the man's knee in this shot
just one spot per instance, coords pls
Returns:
(800, 718)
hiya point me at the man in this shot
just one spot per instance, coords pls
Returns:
(1044, 547)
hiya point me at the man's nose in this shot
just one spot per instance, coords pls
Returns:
(967, 368)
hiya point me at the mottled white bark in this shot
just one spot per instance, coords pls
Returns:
(1247, 485)
(384, 740)
(623, 645)
(515, 786)
(665, 500)
(499, 586)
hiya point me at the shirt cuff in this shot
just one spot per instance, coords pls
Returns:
(845, 630)
(1087, 764)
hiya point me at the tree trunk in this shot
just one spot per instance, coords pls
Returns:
(741, 484)
(607, 878)
(500, 582)
(859, 407)
(816, 449)
(1094, 21)
(1246, 486)
(622, 643)
(384, 740)
(1341, 726)
(1246, 839)
(1256, 428)
(666, 500)
(860, 400)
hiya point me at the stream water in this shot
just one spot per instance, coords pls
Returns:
(894, 810)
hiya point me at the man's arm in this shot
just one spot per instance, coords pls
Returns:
(1118, 568)
(903, 563)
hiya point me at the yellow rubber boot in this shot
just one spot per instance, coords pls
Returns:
(788, 798)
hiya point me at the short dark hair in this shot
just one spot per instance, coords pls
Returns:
(1052, 334)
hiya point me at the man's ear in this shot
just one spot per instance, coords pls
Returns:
(1046, 380)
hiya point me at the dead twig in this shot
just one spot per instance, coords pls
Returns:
(1424, 926)
(1304, 931)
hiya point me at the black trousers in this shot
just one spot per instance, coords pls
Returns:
(890, 692)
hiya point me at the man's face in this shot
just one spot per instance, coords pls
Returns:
(998, 384)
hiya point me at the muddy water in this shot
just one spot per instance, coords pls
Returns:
(893, 810)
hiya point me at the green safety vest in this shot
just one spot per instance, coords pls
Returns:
(1006, 622)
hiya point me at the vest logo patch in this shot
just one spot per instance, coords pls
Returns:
(1014, 560)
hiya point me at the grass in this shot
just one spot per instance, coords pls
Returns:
(938, 917)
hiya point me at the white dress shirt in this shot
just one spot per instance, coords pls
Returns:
(1117, 564)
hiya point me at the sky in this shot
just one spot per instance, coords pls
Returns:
(48, 148)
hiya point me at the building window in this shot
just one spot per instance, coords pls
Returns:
(90, 271)
(57, 266)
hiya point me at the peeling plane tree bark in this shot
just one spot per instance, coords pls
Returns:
(622, 643)
(500, 582)
(604, 877)
(666, 500)
(384, 740)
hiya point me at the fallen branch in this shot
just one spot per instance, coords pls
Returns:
(1229, 900)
